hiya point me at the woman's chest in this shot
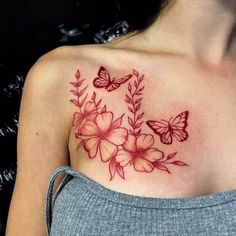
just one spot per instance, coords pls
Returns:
(209, 147)
(159, 135)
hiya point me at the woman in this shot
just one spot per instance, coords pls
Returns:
(146, 122)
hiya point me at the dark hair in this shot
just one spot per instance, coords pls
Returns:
(140, 13)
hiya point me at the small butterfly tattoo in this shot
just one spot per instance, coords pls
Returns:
(173, 128)
(104, 80)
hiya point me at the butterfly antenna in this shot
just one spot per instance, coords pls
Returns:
(164, 120)
(170, 119)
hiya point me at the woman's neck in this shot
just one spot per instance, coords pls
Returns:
(203, 29)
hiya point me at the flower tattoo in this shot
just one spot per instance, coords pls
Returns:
(103, 136)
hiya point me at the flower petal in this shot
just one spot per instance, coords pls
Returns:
(144, 141)
(143, 165)
(92, 116)
(107, 150)
(89, 106)
(91, 146)
(89, 129)
(153, 154)
(117, 123)
(130, 143)
(123, 157)
(104, 121)
(77, 118)
(117, 136)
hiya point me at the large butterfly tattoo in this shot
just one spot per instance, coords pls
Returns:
(104, 80)
(173, 128)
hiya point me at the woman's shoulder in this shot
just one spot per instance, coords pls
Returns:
(62, 59)
(57, 60)
(52, 68)
(121, 51)
(57, 66)
(50, 77)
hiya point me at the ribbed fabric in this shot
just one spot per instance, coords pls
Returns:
(82, 206)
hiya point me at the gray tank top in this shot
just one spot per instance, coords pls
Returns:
(81, 206)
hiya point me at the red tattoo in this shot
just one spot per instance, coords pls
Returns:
(104, 80)
(133, 100)
(102, 135)
(167, 130)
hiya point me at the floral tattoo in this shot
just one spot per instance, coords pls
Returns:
(103, 136)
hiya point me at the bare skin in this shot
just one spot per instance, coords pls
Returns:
(186, 68)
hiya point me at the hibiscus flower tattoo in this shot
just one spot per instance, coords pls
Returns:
(138, 151)
(102, 135)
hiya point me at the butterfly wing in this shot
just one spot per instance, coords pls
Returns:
(158, 127)
(162, 129)
(178, 126)
(117, 82)
(180, 135)
(103, 80)
(122, 79)
(112, 86)
(166, 138)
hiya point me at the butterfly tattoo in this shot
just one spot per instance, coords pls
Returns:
(173, 128)
(104, 80)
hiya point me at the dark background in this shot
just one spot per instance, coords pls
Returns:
(28, 29)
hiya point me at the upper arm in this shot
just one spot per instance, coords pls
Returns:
(42, 146)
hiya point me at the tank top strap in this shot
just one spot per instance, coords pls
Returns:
(70, 173)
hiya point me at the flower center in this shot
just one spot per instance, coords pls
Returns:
(103, 135)
(138, 153)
